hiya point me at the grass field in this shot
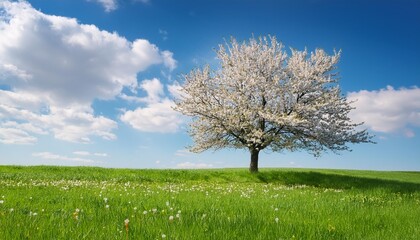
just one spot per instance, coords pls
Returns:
(95, 203)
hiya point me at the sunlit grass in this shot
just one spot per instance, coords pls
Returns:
(95, 203)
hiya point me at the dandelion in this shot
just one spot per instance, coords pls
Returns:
(107, 206)
(106, 199)
(276, 209)
(276, 219)
(154, 210)
(177, 215)
(34, 214)
(145, 212)
(126, 221)
(179, 211)
(1, 201)
(163, 235)
(171, 218)
(76, 214)
(11, 210)
(167, 203)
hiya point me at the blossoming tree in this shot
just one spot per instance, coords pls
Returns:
(261, 98)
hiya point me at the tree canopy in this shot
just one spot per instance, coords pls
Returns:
(262, 98)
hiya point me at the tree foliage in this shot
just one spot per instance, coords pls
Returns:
(263, 98)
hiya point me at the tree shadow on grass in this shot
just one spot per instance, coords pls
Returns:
(336, 181)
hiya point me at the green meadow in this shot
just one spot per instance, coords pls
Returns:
(95, 203)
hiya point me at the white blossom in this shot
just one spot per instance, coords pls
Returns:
(261, 98)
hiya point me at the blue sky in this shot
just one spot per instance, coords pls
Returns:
(90, 82)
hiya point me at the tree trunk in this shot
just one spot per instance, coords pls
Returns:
(253, 167)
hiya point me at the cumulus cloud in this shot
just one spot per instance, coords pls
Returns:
(55, 67)
(387, 110)
(190, 165)
(68, 61)
(157, 115)
(73, 123)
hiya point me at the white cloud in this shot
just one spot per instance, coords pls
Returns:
(164, 34)
(191, 165)
(55, 67)
(183, 153)
(387, 110)
(22, 100)
(86, 153)
(9, 71)
(81, 153)
(112, 5)
(15, 136)
(154, 90)
(27, 127)
(100, 154)
(175, 90)
(68, 61)
(157, 115)
(75, 123)
(52, 156)
(108, 5)
(168, 60)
